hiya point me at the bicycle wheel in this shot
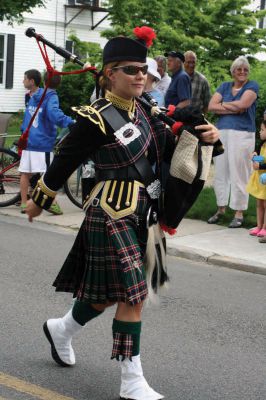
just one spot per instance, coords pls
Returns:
(73, 187)
(9, 177)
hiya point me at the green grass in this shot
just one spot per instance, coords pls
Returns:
(13, 128)
(205, 207)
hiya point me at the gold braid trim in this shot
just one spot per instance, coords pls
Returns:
(123, 104)
(42, 195)
(92, 114)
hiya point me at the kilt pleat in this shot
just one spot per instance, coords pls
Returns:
(106, 260)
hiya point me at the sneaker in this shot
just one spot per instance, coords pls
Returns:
(23, 208)
(55, 209)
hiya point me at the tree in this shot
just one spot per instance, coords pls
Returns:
(76, 90)
(86, 51)
(11, 10)
(217, 30)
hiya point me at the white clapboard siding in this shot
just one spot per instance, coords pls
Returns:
(50, 22)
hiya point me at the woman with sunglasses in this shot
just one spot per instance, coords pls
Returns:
(106, 263)
(235, 105)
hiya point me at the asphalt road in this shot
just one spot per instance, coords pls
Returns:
(204, 340)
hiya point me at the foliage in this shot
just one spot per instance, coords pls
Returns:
(11, 10)
(258, 74)
(75, 90)
(86, 51)
(217, 30)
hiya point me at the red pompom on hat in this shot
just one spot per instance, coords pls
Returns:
(145, 33)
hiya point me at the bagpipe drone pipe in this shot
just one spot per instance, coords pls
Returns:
(191, 159)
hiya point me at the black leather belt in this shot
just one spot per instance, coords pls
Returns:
(126, 173)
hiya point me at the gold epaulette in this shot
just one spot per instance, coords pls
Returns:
(42, 195)
(93, 112)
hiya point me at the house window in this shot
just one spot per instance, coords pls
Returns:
(7, 52)
(2, 58)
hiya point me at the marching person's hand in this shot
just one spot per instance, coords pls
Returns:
(32, 210)
(210, 134)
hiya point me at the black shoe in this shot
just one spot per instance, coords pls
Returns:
(236, 223)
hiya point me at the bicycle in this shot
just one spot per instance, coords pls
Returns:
(9, 177)
(10, 180)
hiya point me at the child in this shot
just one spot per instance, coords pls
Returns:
(256, 189)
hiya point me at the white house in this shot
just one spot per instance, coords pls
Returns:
(55, 22)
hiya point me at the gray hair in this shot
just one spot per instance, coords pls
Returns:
(190, 53)
(238, 62)
(162, 60)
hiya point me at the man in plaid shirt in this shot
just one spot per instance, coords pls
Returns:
(201, 94)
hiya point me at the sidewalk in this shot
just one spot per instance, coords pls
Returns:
(194, 240)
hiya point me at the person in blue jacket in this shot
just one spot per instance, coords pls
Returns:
(42, 135)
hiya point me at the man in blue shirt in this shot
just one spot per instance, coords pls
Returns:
(179, 90)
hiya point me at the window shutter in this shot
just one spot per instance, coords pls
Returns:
(69, 45)
(10, 61)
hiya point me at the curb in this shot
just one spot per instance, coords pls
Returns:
(192, 254)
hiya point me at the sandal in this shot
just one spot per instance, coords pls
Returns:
(236, 223)
(55, 209)
(23, 208)
(262, 233)
(254, 231)
(215, 218)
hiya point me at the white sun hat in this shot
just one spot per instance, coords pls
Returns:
(152, 68)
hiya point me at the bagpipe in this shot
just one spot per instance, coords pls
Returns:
(191, 159)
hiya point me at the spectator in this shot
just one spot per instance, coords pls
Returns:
(38, 154)
(164, 83)
(235, 104)
(179, 90)
(256, 189)
(32, 80)
(153, 76)
(201, 94)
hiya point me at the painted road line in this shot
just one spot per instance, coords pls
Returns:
(29, 388)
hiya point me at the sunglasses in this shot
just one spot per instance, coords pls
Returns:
(133, 69)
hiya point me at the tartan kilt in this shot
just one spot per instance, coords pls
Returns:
(106, 260)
